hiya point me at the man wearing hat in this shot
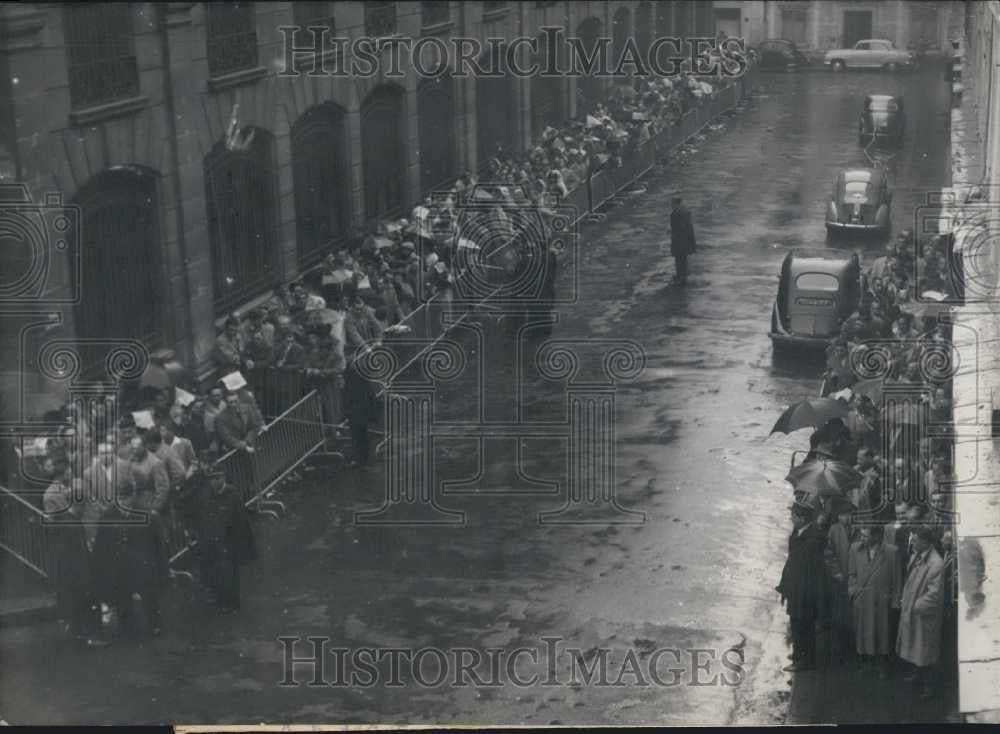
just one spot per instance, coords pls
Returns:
(682, 242)
(801, 585)
(225, 539)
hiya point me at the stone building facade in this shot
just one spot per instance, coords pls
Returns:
(120, 114)
(819, 25)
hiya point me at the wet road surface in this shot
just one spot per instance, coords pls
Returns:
(692, 455)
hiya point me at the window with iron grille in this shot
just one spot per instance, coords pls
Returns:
(319, 170)
(315, 15)
(232, 37)
(120, 249)
(241, 207)
(496, 113)
(383, 152)
(100, 53)
(436, 128)
(547, 92)
(621, 31)
(380, 19)
(664, 19)
(433, 13)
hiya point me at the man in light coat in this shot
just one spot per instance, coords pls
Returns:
(922, 610)
(873, 586)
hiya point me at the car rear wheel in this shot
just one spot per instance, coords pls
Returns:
(837, 65)
(892, 67)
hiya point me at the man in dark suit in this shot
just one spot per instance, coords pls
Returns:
(360, 406)
(801, 585)
(681, 238)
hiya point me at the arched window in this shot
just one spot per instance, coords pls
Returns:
(241, 208)
(622, 30)
(320, 172)
(496, 107)
(589, 86)
(436, 128)
(547, 92)
(121, 288)
(383, 153)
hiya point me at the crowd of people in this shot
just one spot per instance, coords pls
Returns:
(117, 488)
(874, 565)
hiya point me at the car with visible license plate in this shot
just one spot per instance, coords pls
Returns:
(818, 288)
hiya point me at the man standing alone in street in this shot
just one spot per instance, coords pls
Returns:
(801, 585)
(681, 238)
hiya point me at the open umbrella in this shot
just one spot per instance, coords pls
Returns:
(810, 412)
(823, 477)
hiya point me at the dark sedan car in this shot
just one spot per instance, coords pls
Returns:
(780, 54)
(861, 201)
(882, 120)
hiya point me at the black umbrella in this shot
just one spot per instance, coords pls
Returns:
(810, 412)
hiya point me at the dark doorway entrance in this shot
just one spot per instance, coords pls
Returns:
(857, 25)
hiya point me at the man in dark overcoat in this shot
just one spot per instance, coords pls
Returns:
(682, 242)
(225, 539)
(802, 584)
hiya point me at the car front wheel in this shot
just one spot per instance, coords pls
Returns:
(837, 65)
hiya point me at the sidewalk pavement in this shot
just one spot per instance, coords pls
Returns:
(850, 694)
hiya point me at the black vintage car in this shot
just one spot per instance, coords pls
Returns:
(817, 289)
(780, 54)
(860, 203)
(882, 120)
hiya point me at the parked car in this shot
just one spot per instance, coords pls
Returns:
(870, 53)
(817, 290)
(861, 201)
(882, 119)
(777, 53)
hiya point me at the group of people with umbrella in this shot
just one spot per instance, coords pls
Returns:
(871, 557)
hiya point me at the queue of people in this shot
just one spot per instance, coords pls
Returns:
(874, 565)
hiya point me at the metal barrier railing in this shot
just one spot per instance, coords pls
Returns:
(295, 431)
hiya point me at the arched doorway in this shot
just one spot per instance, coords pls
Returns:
(242, 210)
(320, 172)
(436, 131)
(588, 86)
(621, 31)
(383, 152)
(496, 107)
(547, 92)
(121, 294)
